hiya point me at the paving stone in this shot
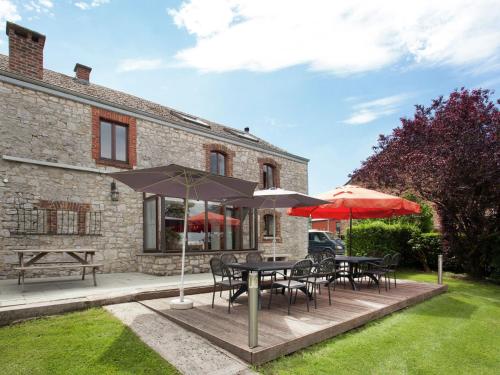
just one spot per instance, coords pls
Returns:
(188, 352)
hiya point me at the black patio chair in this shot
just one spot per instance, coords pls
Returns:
(228, 259)
(379, 270)
(220, 269)
(298, 279)
(396, 258)
(324, 274)
(255, 257)
(316, 257)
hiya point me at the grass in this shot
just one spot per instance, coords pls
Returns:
(88, 342)
(454, 333)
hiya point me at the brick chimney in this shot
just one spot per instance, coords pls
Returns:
(25, 51)
(82, 73)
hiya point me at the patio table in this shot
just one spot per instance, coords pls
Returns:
(354, 262)
(260, 267)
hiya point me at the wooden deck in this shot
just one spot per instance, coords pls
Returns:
(281, 334)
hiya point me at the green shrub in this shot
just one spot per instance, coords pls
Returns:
(377, 238)
(425, 248)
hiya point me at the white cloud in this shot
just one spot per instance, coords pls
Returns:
(85, 5)
(341, 37)
(367, 112)
(129, 65)
(8, 12)
(39, 6)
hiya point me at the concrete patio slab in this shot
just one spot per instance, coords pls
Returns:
(49, 296)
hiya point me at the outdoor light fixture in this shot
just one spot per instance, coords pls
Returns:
(115, 194)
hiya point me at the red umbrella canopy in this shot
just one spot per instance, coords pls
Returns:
(362, 203)
(213, 217)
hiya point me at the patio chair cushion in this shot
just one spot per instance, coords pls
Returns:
(320, 282)
(268, 273)
(285, 283)
(225, 282)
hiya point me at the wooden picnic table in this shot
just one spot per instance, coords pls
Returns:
(80, 256)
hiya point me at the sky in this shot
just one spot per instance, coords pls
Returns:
(321, 79)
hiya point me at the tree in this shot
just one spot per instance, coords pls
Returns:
(448, 154)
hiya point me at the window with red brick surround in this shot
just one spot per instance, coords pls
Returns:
(221, 149)
(53, 207)
(276, 171)
(264, 236)
(99, 115)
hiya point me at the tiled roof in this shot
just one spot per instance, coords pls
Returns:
(101, 93)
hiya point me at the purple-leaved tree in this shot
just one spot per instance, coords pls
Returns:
(449, 154)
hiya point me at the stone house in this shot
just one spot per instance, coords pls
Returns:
(61, 135)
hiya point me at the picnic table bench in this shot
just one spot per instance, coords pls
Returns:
(80, 256)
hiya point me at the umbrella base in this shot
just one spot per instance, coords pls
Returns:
(176, 304)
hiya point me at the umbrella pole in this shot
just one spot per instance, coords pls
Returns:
(274, 232)
(350, 231)
(184, 240)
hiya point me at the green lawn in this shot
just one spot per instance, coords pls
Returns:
(454, 333)
(88, 342)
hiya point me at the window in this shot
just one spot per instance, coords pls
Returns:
(268, 225)
(217, 163)
(268, 176)
(113, 141)
(211, 226)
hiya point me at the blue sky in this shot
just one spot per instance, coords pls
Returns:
(320, 79)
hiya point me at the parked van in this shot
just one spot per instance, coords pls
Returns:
(320, 240)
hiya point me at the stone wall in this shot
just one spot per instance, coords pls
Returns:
(170, 264)
(42, 127)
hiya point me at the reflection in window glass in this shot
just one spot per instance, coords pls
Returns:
(213, 163)
(245, 228)
(218, 163)
(121, 143)
(150, 223)
(105, 140)
(174, 223)
(222, 164)
(196, 228)
(268, 225)
(215, 225)
(233, 228)
(268, 176)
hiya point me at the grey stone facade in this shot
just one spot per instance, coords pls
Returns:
(48, 128)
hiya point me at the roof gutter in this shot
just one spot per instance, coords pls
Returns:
(26, 82)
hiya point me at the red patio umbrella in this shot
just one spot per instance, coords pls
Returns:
(197, 222)
(354, 202)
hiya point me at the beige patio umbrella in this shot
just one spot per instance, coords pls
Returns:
(187, 183)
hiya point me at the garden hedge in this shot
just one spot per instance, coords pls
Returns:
(377, 238)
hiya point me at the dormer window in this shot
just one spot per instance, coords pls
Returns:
(191, 119)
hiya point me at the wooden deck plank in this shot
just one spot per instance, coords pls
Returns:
(281, 334)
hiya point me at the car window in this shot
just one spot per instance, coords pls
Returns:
(322, 237)
(330, 235)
